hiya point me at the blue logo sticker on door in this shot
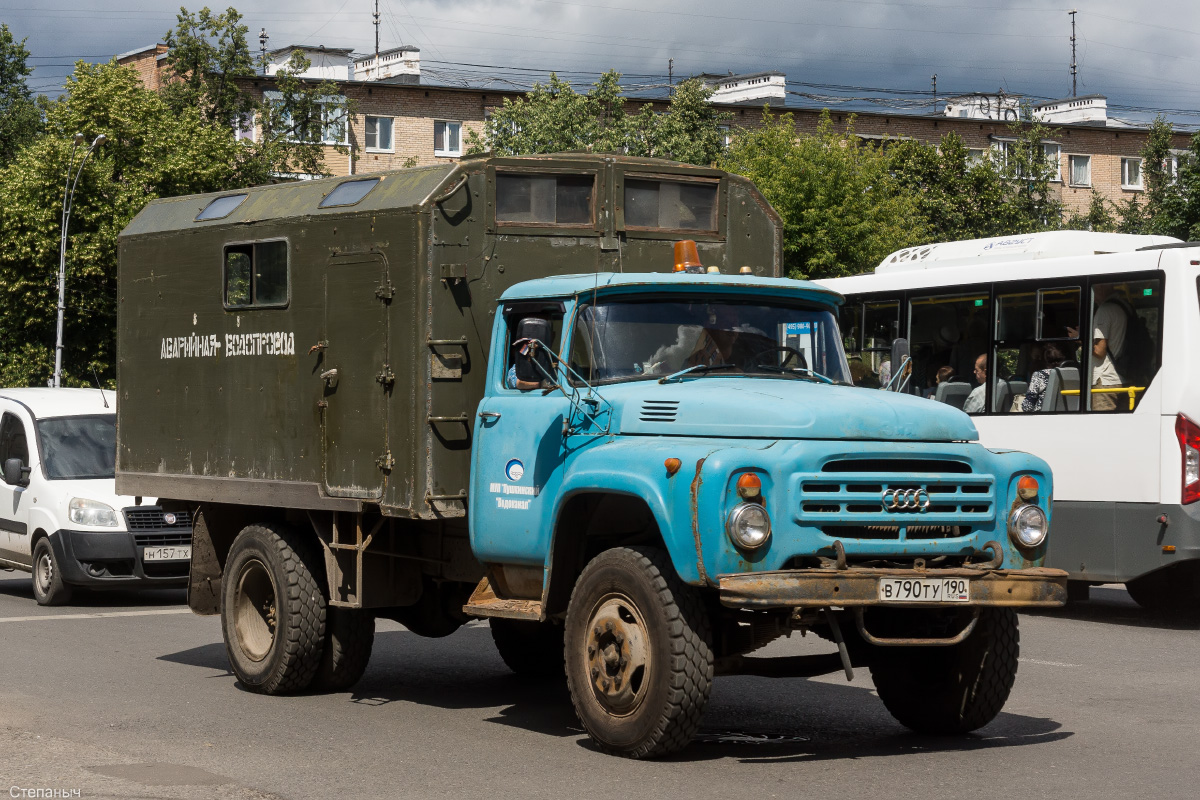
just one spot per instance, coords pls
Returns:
(514, 470)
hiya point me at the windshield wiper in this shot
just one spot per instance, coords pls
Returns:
(696, 368)
(791, 371)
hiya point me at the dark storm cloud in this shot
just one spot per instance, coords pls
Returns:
(1136, 58)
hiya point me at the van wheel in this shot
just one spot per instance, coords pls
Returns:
(349, 636)
(48, 586)
(951, 690)
(639, 658)
(273, 610)
(530, 649)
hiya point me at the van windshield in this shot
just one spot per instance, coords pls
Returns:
(75, 448)
(624, 340)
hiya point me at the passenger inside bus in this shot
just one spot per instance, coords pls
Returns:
(1052, 356)
(978, 396)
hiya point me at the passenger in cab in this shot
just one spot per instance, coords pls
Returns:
(1052, 356)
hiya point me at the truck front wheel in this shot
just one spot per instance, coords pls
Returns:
(955, 689)
(638, 652)
(273, 610)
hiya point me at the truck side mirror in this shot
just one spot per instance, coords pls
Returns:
(531, 328)
(899, 356)
(15, 472)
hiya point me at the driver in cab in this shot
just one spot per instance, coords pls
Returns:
(727, 340)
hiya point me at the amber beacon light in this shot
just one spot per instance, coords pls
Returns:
(687, 257)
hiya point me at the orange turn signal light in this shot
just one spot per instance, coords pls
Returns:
(1168, 548)
(672, 465)
(1027, 487)
(749, 486)
(687, 257)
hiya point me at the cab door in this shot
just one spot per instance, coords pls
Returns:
(355, 376)
(14, 500)
(518, 455)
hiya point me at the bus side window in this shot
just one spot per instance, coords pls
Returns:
(867, 332)
(1126, 339)
(952, 332)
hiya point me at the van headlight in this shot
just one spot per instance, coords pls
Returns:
(92, 512)
(748, 526)
(1027, 525)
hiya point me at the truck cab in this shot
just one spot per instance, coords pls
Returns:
(679, 468)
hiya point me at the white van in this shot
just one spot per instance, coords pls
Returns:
(60, 515)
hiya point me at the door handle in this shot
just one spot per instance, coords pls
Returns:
(329, 375)
(489, 415)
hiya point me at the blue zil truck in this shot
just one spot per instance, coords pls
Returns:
(639, 478)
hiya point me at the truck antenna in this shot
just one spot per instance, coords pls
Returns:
(98, 386)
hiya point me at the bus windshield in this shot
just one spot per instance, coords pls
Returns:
(623, 340)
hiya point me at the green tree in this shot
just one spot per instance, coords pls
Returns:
(1156, 158)
(20, 118)
(208, 53)
(842, 209)
(1031, 204)
(553, 118)
(151, 152)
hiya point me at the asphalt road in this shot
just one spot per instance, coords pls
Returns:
(129, 696)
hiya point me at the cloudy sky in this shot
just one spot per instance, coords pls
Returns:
(1142, 55)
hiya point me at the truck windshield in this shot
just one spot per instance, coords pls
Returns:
(74, 448)
(623, 340)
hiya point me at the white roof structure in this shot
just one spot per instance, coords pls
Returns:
(1053, 244)
(46, 403)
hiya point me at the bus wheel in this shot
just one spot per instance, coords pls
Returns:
(955, 689)
(349, 637)
(638, 653)
(1175, 589)
(273, 610)
(530, 649)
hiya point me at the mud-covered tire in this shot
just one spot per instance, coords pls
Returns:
(48, 586)
(631, 617)
(951, 690)
(530, 649)
(273, 609)
(349, 637)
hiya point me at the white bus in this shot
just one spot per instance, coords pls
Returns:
(1077, 347)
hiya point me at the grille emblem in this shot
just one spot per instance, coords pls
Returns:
(169, 518)
(905, 500)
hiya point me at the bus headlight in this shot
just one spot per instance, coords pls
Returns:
(1027, 525)
(748, 526)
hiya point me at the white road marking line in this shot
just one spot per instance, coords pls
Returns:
(100, 615)
(1047, 663)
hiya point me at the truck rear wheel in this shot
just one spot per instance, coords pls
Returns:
(639, 658)
(349, 636)
(955, 689)
(530, 649)
(273, 610)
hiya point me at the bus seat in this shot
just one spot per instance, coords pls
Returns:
(952, 393)
(1006, 392)
(1061, 378)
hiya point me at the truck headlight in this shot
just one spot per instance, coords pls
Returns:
(91, 512)
(1027, 525)
(748, 526)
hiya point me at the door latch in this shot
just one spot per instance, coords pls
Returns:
(385, 462)
(329, 375)
(386, 377)
(386, 292)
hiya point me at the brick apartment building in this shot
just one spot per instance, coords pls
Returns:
(402, 119)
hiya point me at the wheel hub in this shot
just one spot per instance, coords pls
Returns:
(618, 654)
(45, 573)
(256, 611)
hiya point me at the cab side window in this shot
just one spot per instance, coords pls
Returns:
(529, 362)
(12, 439)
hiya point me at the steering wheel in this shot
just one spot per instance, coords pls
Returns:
(790, 353)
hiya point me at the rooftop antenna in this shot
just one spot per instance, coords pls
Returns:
(1074, 71)
(375, 16)
(98, 386)
(670, 72)
(262, 41)
(934, 78)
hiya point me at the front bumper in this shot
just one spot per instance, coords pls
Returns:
(113, 559)
(1038, 587)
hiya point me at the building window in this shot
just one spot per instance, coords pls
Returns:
(379, 135)
(1080, 170)
(1131, 173)
(329, 128)
(1053, 156)
(256, 275)
(726, 136)
(1003, 149)
(975, 156)
(243, 127)
(447, 138)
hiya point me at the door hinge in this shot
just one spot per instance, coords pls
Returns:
(386, 377)
(386, 292)
(385, 461)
